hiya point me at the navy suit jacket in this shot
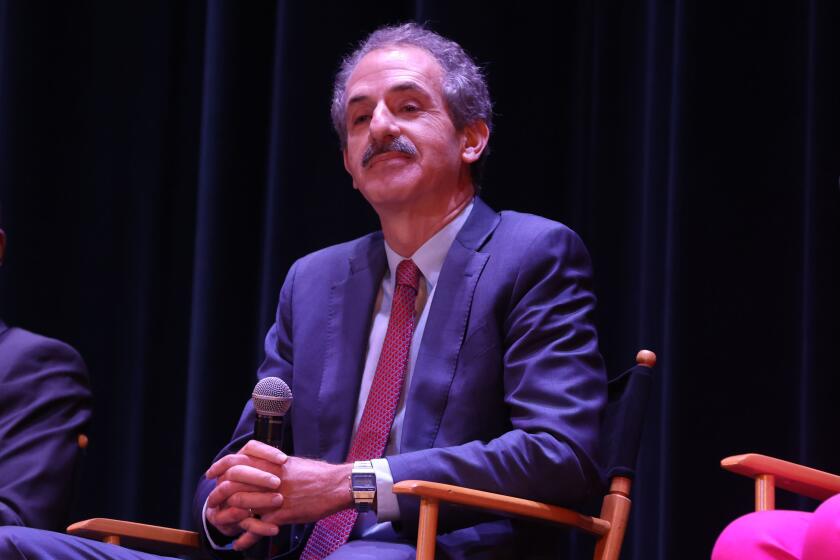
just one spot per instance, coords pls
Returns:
(44, 405)
(508, 386)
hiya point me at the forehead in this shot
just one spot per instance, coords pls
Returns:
(384, 67)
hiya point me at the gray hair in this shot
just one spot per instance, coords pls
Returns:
(464, 86)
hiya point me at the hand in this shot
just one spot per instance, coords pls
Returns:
(311, 490)
(246, 482)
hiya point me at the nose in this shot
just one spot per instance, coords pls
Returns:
(383, 125)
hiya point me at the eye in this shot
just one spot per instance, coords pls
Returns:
(359, 119)
(410, 108)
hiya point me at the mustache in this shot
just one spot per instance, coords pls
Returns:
(398, 144)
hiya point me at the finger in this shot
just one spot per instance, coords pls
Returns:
(255, 500)
(228, 488)
(226, 520)
(264, 451)
(239, 486)
(253, 476)
(255, 529)
(222, 465)
(280, 516)
(274, 516)
(246, 541)
(225, 477)
(258, 527)
(230, 516)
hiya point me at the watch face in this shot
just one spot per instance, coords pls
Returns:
(363, 481)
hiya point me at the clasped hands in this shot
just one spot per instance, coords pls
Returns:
(260, 480)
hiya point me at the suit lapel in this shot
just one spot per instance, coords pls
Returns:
(349, 315)
(445, 329)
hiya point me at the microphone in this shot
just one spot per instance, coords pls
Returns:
(272, 399)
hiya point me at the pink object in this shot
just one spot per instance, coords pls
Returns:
(375, 425)
(783, 535)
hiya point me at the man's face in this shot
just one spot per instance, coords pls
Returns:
(402, 147)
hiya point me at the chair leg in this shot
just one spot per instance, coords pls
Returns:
(616, 510)
(765, 492)
(427, 529)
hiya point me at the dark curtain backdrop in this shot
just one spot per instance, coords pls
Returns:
(163, 164)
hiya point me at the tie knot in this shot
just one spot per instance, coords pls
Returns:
(408, 274)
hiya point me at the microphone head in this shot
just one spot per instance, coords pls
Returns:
(272, 397)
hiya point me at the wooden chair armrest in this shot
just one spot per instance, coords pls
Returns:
(802, 480)
(161, 540)
(499, 502)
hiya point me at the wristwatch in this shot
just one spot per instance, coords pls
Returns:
(363, 485)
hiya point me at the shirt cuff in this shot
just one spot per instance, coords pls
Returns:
(210, 540)
(387, 507)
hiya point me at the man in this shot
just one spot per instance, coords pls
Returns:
(502, 386)
(44, 406)
(455, 345)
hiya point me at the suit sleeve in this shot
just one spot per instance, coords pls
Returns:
(46, 404)
(277, 363)
(554, 391)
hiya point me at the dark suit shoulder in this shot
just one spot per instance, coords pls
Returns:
(528, 226)
(525, 232)
(22, 352)
(335, 257)
(25, 340)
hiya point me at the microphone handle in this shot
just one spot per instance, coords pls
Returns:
(269, 430)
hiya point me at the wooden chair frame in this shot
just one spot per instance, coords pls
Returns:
(770, 473)
(150, 538)
(609, 528)
(160, 540)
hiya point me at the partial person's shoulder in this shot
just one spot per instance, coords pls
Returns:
(22, 351)
(24, 342)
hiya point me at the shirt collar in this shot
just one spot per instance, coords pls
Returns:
(430, 256)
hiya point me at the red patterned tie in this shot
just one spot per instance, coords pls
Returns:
(378, 416)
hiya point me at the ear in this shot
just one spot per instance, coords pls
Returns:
(347, 166)
(2, 245)
(476, 136)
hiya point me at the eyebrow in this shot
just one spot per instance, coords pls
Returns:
(399, 87)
